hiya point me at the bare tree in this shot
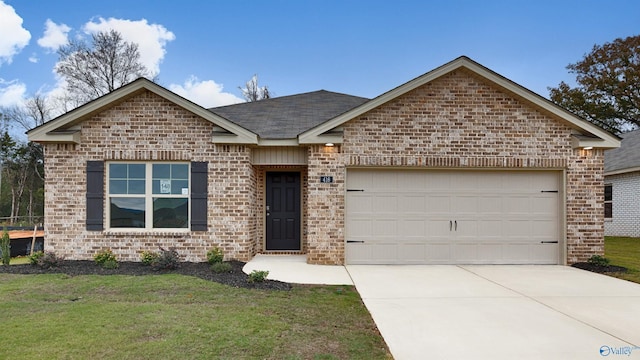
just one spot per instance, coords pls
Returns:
(93, 71)
(253, 92)
(35, 112)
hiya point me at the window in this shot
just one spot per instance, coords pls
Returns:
(148, 195)
(608, 201)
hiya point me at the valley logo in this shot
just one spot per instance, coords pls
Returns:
(621, 350)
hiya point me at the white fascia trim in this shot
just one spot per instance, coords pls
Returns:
(578, 142)
(278, 142)
(69, 137)
(622, 171)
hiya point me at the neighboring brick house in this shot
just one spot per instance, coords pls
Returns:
(459, 165)
(622, 187)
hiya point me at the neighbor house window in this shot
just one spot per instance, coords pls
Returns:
(608, 201)
(148, 195)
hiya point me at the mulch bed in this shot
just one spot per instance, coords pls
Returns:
(236, 277)
(601, 269)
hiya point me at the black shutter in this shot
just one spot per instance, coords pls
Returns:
(95, 195)
(199, 194)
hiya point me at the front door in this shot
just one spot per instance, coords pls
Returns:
(283, 211)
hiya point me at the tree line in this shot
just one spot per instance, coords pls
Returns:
(606, 93)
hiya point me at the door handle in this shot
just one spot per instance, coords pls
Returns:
(456, 225)
(450, 224)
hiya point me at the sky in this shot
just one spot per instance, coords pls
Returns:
(205, 50)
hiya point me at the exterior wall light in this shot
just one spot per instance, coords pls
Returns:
(328, 144)
(588, 148)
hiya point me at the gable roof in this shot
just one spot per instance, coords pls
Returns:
(63, 128)
(589, 135)
(288, 116)
(626, 158)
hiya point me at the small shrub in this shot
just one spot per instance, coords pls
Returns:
(148, 257)
(106, 259)
(214, 256)
(167, 260)
(33, 259)
(49, 260)
(110, 264)
(221, 267)
(598, 260)
(258, 276)
(5, 247)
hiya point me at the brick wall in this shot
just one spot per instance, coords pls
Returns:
(626, 205)
(144, 128)
(325, 222)
(456, 121)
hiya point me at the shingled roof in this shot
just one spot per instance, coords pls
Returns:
(626, 157)
(287, 116)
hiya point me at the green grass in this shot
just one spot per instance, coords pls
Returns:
(624, 251)
(175, 316)
(19, 260)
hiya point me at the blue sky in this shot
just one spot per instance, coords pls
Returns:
(205, 49)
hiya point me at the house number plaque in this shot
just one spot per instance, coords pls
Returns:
(326, 179)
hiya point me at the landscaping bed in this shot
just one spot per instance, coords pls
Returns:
(234, 277)
(601, 269)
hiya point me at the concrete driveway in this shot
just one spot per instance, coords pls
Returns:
(501, 312)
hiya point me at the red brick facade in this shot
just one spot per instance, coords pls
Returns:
(458, 121)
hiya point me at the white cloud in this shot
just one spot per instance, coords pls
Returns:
(54, 36)
(12, 93)
(206, 93)
(11, 23)
(33, 58)
(151, 38)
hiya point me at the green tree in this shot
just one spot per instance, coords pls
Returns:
(608, 86)
(22, 185)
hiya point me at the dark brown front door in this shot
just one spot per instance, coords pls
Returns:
(283, 211)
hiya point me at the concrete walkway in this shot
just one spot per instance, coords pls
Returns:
(485, 311)
(294, 269)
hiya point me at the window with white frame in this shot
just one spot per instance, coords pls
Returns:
(148, 195)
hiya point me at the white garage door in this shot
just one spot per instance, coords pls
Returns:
(452, 217)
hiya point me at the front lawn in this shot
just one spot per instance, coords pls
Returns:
(624, 251)
(179, 317)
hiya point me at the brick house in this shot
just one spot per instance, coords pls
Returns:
(459, 165)
(622, 187)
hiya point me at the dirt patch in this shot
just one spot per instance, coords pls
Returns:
(235, 277)
(601, 269)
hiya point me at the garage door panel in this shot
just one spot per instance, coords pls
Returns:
(385, 228)
(359, 204)
(438, 253)
(413, 203)
(413, 228)
(438, 204)
(490, 204)
(411, 253)
(545, 205)
(385, 204)
(407, 216)
(385, 253)
(490, 228)
(465, 204)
